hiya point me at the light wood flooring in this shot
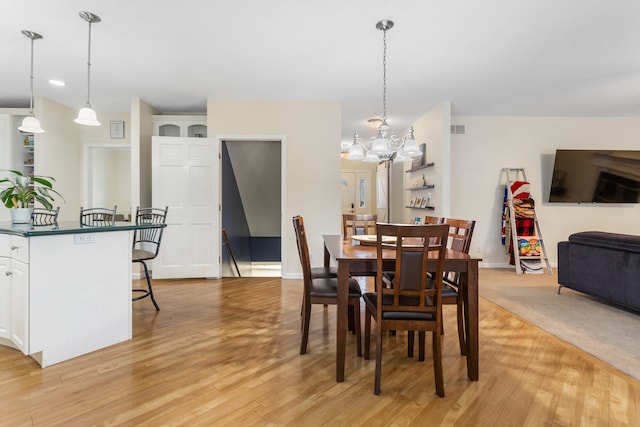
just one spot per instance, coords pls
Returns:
(225, 352)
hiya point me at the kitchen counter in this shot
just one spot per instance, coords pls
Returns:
(65, 290)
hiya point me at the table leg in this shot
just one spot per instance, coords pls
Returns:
(471, 320)
(341, 328)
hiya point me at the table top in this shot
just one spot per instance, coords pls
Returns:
(346, 249)
(68, 227)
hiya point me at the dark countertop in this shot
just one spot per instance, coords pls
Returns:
(67, 227)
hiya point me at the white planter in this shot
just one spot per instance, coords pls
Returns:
(21, 215)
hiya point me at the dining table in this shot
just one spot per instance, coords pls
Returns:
(354, 257)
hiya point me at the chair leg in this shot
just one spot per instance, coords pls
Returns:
(461, 324)
(306, 318)
(421, 340)
(376, 386)
(410, 343)
(437, 363)
(351, 320)
(357, 325)
(149, 291)
(367, 334)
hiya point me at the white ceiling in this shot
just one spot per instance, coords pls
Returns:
(488, 57)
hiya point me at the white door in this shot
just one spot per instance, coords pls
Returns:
(186, 178)
(348, 189)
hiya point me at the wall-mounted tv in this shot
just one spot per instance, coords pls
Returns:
(596, 176)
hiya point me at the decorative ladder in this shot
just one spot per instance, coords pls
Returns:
(510, 175)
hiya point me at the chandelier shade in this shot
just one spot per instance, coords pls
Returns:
(86, 115)
(384, 146)
(30, 124)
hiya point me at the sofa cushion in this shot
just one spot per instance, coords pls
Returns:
(623, 242)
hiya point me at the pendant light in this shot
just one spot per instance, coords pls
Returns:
(86, 115)
(30, 124)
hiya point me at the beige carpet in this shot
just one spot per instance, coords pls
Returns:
(607, 332)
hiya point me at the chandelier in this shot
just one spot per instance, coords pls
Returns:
(384, 147)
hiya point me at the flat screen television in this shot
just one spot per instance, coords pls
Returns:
(596, 176)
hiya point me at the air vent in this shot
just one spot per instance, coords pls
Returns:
(457, 129)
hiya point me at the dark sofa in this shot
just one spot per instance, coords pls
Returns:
(604, 265)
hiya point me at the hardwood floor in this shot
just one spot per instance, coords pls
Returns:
(225, 352)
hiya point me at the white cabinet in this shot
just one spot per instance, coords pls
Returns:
(180, 126)
(5, 297)
(14, 292)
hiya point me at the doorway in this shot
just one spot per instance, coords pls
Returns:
(107, 177)
(252, 201)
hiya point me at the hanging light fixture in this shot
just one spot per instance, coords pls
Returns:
(30, 124)
(384, 147)
(86, 115)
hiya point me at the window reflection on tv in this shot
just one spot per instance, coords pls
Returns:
(596, 176)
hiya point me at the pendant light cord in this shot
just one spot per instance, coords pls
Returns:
(89, 70)
(31, 80)
(384, 75)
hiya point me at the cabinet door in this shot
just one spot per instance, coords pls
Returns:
(5, 298)
(19, 305)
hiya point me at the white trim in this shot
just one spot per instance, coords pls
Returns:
(283, 187)
(87, 151)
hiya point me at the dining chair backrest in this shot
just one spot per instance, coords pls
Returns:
(41, 216)
(460, 234)
(412, 293)
(149, 239)
(303, 248)
(356, 224)
(433, 219)
(459, 239)
(98, 217)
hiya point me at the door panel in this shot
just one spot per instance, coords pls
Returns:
(186, 177)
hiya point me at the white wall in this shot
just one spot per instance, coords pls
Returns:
(311, 187)
(433, 130)
(142, 130)
(493, 143)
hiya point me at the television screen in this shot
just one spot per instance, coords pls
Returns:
(596, 176)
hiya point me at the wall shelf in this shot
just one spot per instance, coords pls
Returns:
(422, 187)
(429, 208)
(428, 165)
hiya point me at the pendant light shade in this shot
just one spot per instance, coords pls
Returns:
(86, 115)
(30, 124)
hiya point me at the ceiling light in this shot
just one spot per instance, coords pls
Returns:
(383, 147)
(86, 115)
(30, 124)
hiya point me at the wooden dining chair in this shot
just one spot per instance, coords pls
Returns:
(413, 303)
(458, 239)
(357, 224)
(322, 290)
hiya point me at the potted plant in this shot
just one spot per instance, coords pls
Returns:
(23, 190)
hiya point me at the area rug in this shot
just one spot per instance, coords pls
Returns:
(607, 332)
